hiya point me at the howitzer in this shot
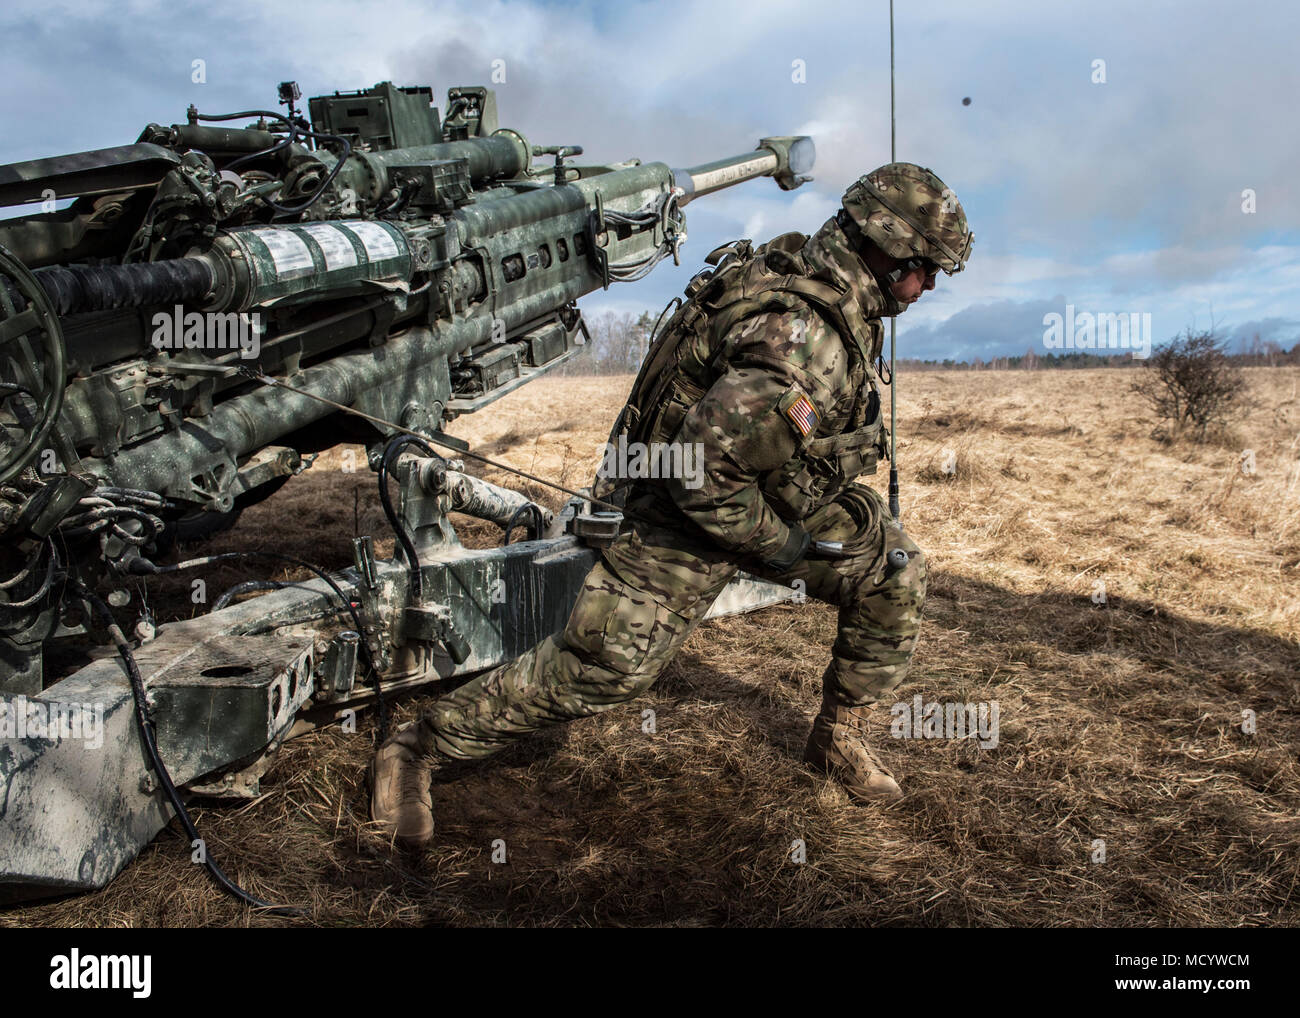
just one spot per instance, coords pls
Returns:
(217, 304)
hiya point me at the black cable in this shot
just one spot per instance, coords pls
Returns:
(16, 276)
(406, 194)
(139, 540)
(249, 157)
(26, 570)
(14, 389)
(882, 371)
(145, 498)
(26, 605)
(270, 586)
(95, 519)
(391, 451)
(247, 587)
(148, 735)
(675, 303)
(295, 130)
(142, 566)
(662, 211)
(535, 528)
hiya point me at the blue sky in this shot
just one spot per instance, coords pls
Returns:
(1122, 196)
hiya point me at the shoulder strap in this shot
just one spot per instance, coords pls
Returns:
(840, 308)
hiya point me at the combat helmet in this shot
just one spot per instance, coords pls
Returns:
(908, 212)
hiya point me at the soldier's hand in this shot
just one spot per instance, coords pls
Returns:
(792, 552)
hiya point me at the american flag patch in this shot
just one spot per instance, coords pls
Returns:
(803, 415)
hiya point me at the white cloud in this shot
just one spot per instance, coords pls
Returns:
(1124, 192)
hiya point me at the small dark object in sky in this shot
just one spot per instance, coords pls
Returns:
(966, 101)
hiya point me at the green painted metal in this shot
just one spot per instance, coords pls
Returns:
(416, 277)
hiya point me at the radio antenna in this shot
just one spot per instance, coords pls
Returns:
(893, 319)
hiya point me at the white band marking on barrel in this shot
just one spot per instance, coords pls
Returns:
(335, 245)
(289, 252)
(379, 244)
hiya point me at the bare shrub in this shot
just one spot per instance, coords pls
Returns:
(1190, 383)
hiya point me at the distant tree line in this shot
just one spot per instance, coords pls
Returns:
(618, 345)
(620, 341)
(1028, 361)
(1257, 353)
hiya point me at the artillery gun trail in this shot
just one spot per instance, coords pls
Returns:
(216, 304)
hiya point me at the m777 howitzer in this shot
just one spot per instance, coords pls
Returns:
(216, 304)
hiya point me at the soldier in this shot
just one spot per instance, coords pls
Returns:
(769, 371)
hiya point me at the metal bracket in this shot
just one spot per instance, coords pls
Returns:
(599, 528)
(595, 228)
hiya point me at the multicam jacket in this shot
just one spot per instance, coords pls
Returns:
(766, 371)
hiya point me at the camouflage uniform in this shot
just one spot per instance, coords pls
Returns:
(786, 411)
(640, 603)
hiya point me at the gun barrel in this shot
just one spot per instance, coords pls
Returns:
(788, 159)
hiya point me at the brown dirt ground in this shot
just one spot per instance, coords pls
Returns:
(1120, 721)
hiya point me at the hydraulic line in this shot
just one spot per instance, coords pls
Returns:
(391, 450)
(295, 131)
(143, 567)
(149, 737)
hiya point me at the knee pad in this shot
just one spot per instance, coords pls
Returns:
(890, 596)
(910, 575)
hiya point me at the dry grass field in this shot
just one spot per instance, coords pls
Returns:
(1121, 717)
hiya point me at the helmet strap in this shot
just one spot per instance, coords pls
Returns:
(862, 245)
(859, 241)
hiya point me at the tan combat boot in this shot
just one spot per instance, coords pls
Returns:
(838, 747)
(399, 790)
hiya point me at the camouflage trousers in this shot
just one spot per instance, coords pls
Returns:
(652, 587)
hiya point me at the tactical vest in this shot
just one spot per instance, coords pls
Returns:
(691, 352)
